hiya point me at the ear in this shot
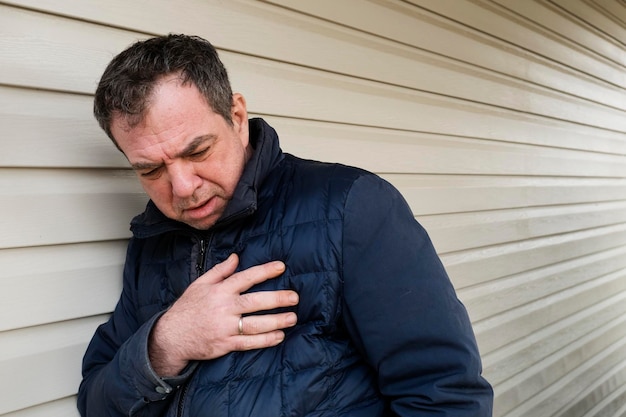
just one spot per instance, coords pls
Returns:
(239, 115)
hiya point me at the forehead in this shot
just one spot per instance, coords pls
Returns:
(139, 99)
(176, 112)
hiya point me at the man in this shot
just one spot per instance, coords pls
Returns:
(260, 284)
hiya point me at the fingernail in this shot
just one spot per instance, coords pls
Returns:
(294, 298)
(292, 319)
(279, 266)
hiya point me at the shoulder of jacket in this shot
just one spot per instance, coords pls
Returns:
(327, 184)
(324, 171)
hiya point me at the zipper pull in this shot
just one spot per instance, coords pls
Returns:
(201, 258)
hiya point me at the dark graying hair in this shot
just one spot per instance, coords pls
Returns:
(127, 83)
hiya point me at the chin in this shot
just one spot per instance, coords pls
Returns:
(200, 224)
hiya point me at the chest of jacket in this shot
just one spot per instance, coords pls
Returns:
(298, 221)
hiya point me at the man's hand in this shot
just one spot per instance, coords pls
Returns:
(204, 322)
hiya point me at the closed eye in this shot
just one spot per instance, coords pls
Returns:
(199, 154)
(151, 174)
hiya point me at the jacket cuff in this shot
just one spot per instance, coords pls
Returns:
(148, 384)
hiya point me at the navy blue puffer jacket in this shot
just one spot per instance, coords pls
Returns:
(380, 331)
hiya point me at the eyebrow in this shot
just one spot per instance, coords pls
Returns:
(189, 149)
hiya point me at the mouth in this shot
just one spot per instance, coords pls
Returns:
(199, 206)
(200, 211)
(196, 207)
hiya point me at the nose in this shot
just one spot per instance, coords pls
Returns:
(184, 179)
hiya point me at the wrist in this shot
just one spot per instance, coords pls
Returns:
(163, 354)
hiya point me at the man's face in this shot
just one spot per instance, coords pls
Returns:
(187, 157)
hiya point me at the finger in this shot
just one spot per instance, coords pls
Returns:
(246, 279)
(267, 300)
(222, 270)
(258, 341)
(254, 325)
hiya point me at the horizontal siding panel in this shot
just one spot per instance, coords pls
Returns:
(393, 151)
(456, 232)
(44, 362)
(43, 207)
(514, 324)
(585, 10)
(543, 102)
(72, 138)
(439, 194)
(606, 397)
(477, 266)
(486, 17)
(569, 389)
(501, 295)
(332, 47)
(424, 30)
(55, 130)
(615, 10)
(65, 407)
(554, 19)
(555, 368)
(27, 39)
(359, 102)
(583, 334)
(55, 283)
(588, 358)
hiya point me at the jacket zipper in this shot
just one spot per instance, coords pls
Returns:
(201, 262)
(181, 401)
(200, 267)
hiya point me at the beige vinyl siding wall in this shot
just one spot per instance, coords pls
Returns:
(503, 122)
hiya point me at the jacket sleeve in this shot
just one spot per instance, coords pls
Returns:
(118, 379)
(402, 310)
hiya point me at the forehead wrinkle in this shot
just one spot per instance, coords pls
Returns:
(189, 149)
(193, 145)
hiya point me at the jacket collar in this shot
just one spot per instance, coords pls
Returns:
(267, 154)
